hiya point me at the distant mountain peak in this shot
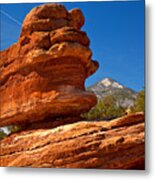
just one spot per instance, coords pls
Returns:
(124, 95)
(108, 82)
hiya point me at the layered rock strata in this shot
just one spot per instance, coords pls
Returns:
(43, 74)
(118, 144)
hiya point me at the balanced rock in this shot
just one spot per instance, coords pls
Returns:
(43, 74)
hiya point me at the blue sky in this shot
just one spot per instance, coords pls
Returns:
(116, 32)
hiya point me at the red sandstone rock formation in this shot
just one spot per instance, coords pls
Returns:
(118, 144)
(43, 74)
(42, 88)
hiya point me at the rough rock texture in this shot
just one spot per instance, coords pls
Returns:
(43, 74)
(50, 17)
(118, 144)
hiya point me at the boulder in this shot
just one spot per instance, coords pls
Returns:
(43, 74)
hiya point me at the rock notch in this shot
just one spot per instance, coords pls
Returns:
(43, 74)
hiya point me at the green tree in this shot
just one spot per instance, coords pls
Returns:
(140, 102)
(105, 109)
(111, 109)
(2, 134)
(95, 112)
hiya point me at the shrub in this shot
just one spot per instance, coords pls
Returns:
(105, 109)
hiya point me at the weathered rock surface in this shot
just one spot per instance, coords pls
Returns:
(118, 144)
(50, 17)
(43, 74)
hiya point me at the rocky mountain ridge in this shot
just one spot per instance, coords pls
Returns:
(124, 95)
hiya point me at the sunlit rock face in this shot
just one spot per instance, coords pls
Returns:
(116, 144)
(43, 74)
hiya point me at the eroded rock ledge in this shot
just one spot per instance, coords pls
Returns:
(118, 144)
